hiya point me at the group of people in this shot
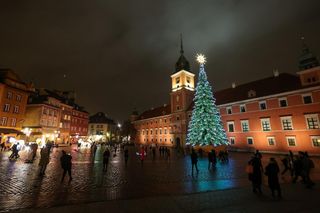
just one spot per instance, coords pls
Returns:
(298, 166)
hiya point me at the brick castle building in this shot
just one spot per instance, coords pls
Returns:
(275, 114)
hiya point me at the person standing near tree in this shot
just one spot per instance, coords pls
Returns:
(66, 165)
(194, 160)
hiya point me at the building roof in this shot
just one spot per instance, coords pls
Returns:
(101, 117)
(155, 112)
(284, 82)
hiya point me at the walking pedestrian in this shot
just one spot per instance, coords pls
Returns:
(272, 171)
(142, 155)
(153, 153)
(15, 151)
(194, 160)
(256, 175)
(307, 165)
(126, 156)
(44, 160)
(3, 146)
(34, 148)
(168, 154)
(66, 165)
(106, 156)
(297, 167)
(285, 162)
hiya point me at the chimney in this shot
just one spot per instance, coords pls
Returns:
(233, 85)
(275, 72)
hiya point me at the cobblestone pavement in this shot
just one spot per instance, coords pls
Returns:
(21, 187)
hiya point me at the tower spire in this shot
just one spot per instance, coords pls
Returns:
(181, 45)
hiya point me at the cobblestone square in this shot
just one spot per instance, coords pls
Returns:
(21, 186)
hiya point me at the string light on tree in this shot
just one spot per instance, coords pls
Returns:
(205, 126)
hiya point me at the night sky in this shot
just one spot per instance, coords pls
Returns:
(118, 55)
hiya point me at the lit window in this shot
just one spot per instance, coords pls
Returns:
(178, 117)
(307, 99)
(6, 108)
(286, 123)
(263, 105)
(13, 121)
(245, 125)
(312, 121)
(165, 131)
(291, 141)
(9, 95)
(178, 107)
(230, 126)
(229, 110)
(315, 141)
(250, 140)
(271, 141)
(18, 98)
(3, 121)
(283, 102)
(232, 140)
(242, 108)
(16, 109)
(177, 80)
(265, 124)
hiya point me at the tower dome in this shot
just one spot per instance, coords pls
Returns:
(182, 63)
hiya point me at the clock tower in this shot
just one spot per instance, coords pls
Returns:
(182, 84)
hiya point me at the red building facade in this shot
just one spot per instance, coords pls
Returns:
(274, 114)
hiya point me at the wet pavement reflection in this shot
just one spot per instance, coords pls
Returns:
(22, 187)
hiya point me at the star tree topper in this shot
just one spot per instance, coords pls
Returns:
(201, 59)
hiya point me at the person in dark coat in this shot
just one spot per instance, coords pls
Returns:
(126, 156)
(297, 167)
(286, 163)
(194, 160)
(256, 175)
(209, 160)
(65, 161)
(106, 156)
(272, 171)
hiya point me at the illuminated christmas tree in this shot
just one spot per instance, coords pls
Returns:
(205, 127)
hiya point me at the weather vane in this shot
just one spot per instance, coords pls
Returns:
(201, 59)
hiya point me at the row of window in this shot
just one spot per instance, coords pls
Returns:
(291, 141)
(283, 102)
(75, 113)
(49, 122)
(312, 121)
(10, 95)
(74, 128)
(51, 112)
(4, 121)
(75, 120)
(156, 140)
(155, 131)
(6, 108)
(160, 121)
(67, 117)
